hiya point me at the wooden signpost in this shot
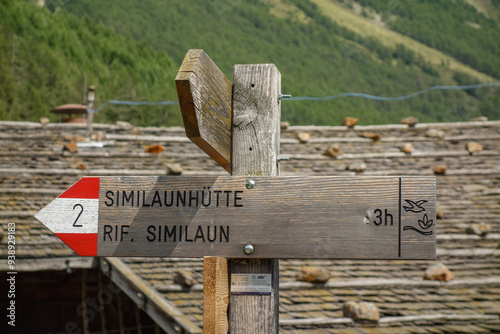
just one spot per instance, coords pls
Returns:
(242, 224)
(279, 217)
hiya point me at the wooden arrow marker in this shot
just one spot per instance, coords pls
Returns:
(281, 217)
(205, 96)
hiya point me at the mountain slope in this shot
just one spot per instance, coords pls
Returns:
(48, 59)
(455, 27)
(316, 56)
(371, 28)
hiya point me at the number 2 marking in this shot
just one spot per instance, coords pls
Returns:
(79, 214)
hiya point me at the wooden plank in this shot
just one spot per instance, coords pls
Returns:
(256, 120)
(282, 217)
(205, 100)
(215, 295)
(255, 150)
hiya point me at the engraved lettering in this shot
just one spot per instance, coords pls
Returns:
(179, 233)
(186, 237)
(109, 195)
(123, 231)
(209, 196)
(156, 199)
(167, 204)
(151, 230)
(379, 216)
(215, 233)
(107, 232)
(383, 217)
(181, 198)
(199, 234)
(388, 215)
(128, 199)
(225, 233)
(192, 198)
(205, 197)
(144, 204)
(169, 234)
(218, 193)
(236, 199)
(227, 192)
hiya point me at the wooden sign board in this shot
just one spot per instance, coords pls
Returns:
(280, 217)
(205, 96)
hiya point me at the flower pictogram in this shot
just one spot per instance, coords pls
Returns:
(425, 223)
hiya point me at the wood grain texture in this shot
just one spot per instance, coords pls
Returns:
(215, 295)
(255, 149)
(205, 100)
(256, 119)
(255, 313)
(283, 217)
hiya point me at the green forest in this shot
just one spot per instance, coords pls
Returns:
(48, 59)
(131, 50)
(451, 26)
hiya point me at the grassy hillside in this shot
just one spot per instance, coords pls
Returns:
(316, 56)
(49, 55)
(48, 59)
(454, 27)
(489, 8)
(370, 23)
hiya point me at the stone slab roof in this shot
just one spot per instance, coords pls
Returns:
(34, 169)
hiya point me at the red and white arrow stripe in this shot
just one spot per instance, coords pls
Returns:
(73, 216)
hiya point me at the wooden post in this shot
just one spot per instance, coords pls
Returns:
(215, 295)
(255, 149)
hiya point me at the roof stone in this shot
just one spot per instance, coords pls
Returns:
(34, 169)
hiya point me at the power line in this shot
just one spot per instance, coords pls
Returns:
(398, 98)
(135, 103)
(322, 98)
